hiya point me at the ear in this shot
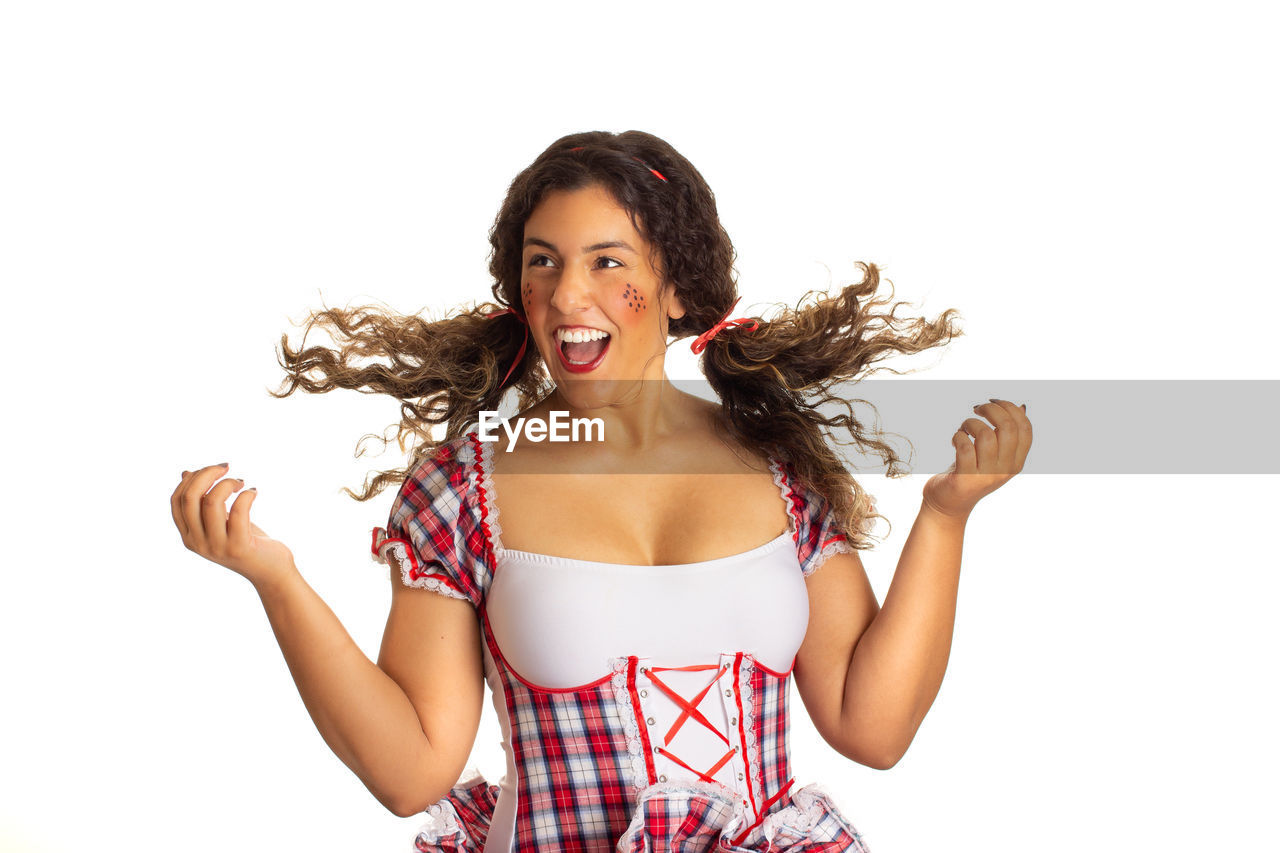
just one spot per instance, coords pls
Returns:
(675, 308)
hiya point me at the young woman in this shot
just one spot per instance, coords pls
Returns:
(652, 587)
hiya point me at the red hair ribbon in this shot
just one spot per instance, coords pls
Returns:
(523, 343)
(700, 343)
(650, 168)
(638, 160)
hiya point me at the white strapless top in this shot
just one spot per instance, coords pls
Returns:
(559, 621)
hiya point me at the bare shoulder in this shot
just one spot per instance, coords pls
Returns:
(711, 436)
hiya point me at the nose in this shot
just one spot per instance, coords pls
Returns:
(572, 292)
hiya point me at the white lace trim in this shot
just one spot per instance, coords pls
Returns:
(780, 482)
(749, 725)
(635, 746)
(802, 820)
(442, 822)
(808, 808)
(443, 818)
(696, 787)
(804, 811)
(839, 546)
(389, 550)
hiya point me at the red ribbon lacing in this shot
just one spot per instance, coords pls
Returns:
(524, 343)
(700, 342)
(764, 811)
(689, 708)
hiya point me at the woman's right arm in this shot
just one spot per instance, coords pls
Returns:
(406, 725)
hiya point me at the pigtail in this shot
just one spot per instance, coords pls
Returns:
(443, 371)
(776, 381)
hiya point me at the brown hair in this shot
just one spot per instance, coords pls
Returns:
(772, 382)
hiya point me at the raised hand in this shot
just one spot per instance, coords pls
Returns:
(986, 459)
(228, 539)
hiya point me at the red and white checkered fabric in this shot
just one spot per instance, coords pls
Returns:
(588, 777)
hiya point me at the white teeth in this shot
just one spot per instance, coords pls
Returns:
(579, 336)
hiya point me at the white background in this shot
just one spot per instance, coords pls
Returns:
(1093, 186)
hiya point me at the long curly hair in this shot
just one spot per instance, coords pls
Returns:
(773, 382)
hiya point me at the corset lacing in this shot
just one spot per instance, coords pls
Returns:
(689, 708)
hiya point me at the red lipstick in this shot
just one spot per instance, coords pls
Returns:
(589, 366)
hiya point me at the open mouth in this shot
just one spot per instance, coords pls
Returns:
(582, 352)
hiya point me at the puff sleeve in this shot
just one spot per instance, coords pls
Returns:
(814, 528)
(435, 534)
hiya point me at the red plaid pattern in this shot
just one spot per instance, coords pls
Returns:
(772, 695)
(577, 784)
(461, 820)
(574, 786)
(816, 533)
(437, 530)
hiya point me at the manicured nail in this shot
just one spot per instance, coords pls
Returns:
(1024, 407)
(222, 465)
(254, 489)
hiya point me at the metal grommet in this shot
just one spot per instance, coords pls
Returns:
(734, 721)
(644, 669)
(662, 778)
(657, 750)
(649, 721)
(728, 693)
(735, 747)
(739, 775)
(644, 692)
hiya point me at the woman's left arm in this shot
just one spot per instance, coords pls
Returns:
(898, 663)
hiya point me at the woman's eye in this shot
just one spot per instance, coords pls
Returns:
(537, 261)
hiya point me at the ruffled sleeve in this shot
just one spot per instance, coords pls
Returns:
(814, 528)
(435, 534)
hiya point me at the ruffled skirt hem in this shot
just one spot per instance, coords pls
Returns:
(690, 817)
(460, 822)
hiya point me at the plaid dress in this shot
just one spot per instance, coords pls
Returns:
(595, 767)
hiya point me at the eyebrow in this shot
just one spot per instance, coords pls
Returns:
(595, 247)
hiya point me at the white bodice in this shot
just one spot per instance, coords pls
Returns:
(559, 621)
(564, 624)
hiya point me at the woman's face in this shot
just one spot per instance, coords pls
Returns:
(589, 291)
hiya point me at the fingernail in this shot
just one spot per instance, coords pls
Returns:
(1024, 407)
(222, 465)
(993, 399)
(254, 489)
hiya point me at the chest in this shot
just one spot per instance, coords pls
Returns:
(638, 519)
(541, 608)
